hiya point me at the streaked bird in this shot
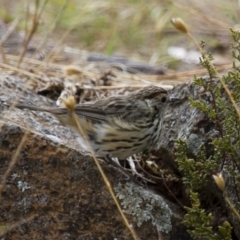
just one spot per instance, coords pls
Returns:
(118, 126)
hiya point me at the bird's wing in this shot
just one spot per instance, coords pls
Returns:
(92, 112)
(102, 110)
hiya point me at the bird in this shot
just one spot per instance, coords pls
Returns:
(117, 126)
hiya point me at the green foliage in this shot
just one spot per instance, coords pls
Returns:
(222, 113)
(197, 170)
(199, 223)
(111, 25)
(205, 62)
(5, 15)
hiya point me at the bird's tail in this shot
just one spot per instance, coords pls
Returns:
(33, 107)
(58, 111)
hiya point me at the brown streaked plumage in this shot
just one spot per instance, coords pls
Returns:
(118, 126)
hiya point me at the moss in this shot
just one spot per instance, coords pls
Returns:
(200, 223)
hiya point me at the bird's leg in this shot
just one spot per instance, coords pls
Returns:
(109, 160)
(115, 160)
(134, 170)
(132, 165)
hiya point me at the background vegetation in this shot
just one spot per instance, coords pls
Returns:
(138, 29)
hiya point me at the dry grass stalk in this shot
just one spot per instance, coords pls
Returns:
(70, 105)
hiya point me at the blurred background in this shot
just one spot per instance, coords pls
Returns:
(136, 29)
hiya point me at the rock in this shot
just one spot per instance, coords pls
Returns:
(55, 191)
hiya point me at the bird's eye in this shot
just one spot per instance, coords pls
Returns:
(163, 99)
